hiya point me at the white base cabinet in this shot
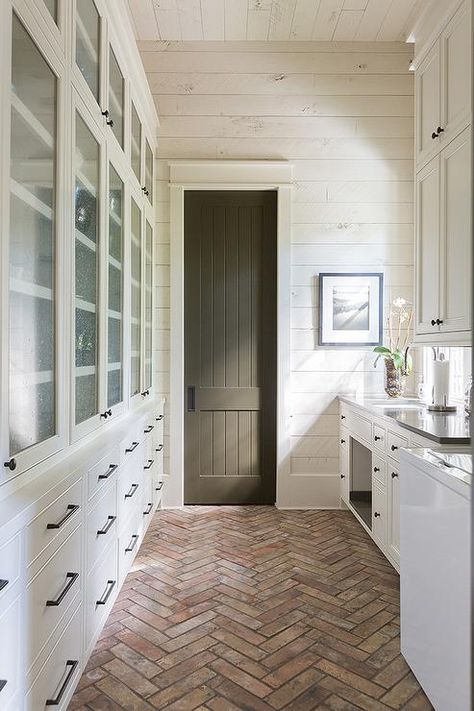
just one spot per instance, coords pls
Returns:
(71, 536)
(377, 508)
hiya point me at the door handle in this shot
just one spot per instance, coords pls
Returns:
(71, 664)
(71, 578)
(191, 398)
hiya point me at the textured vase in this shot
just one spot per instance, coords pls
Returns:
(393, 379)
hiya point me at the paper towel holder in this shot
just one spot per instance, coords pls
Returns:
(443, 405)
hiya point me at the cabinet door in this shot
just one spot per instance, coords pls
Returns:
(148, 306)
(87, 266)
(428, 108)
(87, 43)
(115, 290)
(394, 513)
(136, 141)
(149, 172)
(456, 77)
(135, 299)
(456, 254)
(344, 464)
(379, 514)
(33, 334)
(116, 99)
(427, 249)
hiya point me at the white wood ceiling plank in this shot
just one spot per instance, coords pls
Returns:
(144, 19)
(281, 19)
(395, 21)
(190, 20)
(258, 24)
(372, 20)
(347, 25)
(167, 18)
(303, 19)
(326, 19)
(355, 4)
(212, 19)
(235, 17)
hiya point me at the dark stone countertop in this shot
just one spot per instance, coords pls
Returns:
(413, 415)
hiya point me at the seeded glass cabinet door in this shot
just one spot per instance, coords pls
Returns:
(88, 30)
(33, 404)
(87, 266)
(135, 299)
(148, 308)
(116, 99)
(136, 144)
(115, 291)
(149, 172)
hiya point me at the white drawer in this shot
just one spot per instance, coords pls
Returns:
(379, 469)
(102, 587)
(9, 653)
(60, 673)
(51, 593)
(158, 434)
(344, 438)
(158, 485)
(54, 523)
(130, 484)
(379, 437)
(129, 543)
(148, 501)
(358, 426)
(395, 443)
(100, 475)
(379, 514)
(101, 525)
(9, 564)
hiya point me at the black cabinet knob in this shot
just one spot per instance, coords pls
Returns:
(394, 447)
(376, 438)
(394, 475)
(109, 122)
(439, 321)
(376, 514)
(343, 476)
(439, 130)
(376, 469)
(343, 441)
(145, 393)
(105, 113)
(433, 322)
(11, 464)
(343, 417)
(434, 135)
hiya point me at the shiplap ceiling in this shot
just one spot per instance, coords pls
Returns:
(321, 20)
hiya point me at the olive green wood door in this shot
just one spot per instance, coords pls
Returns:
(230, 347)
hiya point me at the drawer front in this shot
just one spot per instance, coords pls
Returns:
(422, 442)
(129, 541)
(358, 426)
(379, 514)
(379, 469)
(395, 443)
(130, 485)
(9, 653)
(50, 594)
(159, 432)
(102, 473)
(55, 522)
(9, 565)
(158, 485)
(132, 441)
(55, 682)
(379, 437)
(148, 501)
(102, 587)
(102, 525)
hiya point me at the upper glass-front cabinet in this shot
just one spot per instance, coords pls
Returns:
(33, 337)
(115, 113)
(115, 309)
(149, 172)
(136, 143)
(148, 307)
(88, 27)
(135, 299)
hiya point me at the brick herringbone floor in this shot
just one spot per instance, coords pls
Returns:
(253, 608)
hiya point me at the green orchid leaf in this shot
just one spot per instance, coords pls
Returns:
(381, 349)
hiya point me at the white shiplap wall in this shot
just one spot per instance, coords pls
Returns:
(343, 114)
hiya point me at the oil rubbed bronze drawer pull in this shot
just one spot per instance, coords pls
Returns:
(72, 664)
(132, 447)
(159, 448)
(130, 493)
(3, 584)
(108, 591)
(159, 418)
(148, 429)
(150, 464)
(70, 511)
(159, 487)
(108, 526)
(3, 683)
(71, 577)
(148, 510)
(132, 543)
(109, 471)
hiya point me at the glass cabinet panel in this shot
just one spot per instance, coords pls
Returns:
(52, 6)
(136, 151)
(32, 267)
(88, 44)
(86, 271)
(148, 305)
(116, 98)
(115, 290)
(149, 171)
(136, 288)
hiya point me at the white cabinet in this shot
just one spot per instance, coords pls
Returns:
(393, 541)
(443, 245)
(379, 514)
(443, 187)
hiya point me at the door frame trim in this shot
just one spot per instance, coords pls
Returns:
(227, 175)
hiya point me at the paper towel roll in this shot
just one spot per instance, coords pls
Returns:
(440, 382)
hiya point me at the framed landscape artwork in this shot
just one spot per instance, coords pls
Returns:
(350, 309)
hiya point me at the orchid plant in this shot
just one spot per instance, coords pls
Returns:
(399, 325)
